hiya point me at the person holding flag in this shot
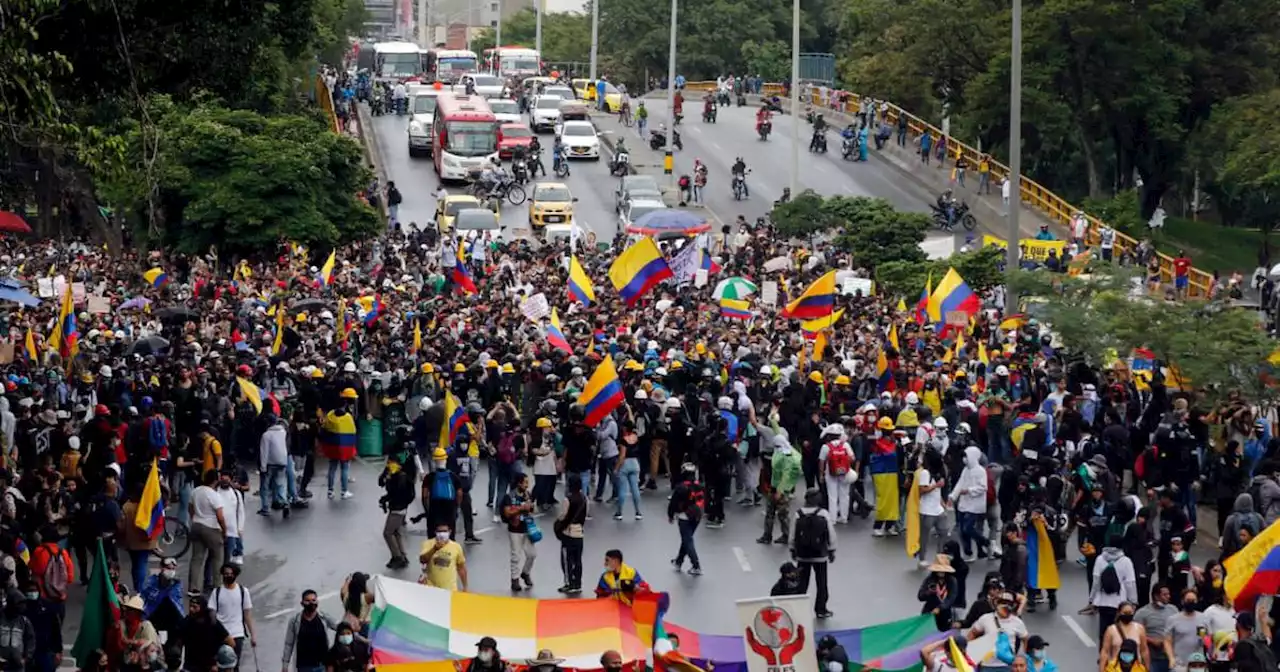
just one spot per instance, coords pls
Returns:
(142, 522)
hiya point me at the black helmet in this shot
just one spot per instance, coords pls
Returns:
(577, 413)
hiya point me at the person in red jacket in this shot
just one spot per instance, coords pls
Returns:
(52, 569)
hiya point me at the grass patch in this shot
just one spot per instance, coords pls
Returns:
(1212, 247)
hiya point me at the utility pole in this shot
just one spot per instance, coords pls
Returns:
(537, 28)
(595, 36)
(795, 98)
(1015, 150)
(424, 40)
(497, 48)
(669, 162)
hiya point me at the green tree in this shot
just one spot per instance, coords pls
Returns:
(874, 233)
(803, 216)
(980, 269)
(1242, 160)
(566, 36)
(243, 181)
(771, 60)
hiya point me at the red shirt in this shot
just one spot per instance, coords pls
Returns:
(1181, 265)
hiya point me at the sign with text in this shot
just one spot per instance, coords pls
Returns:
(769, 293)
(779, 633)
(536, 307)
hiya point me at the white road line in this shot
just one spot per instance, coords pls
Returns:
(290, 610)
(742, 558)
(257, 587)
(1079, 631)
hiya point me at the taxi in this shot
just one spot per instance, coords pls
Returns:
(551, 203)
(585, 89)
(452, 205)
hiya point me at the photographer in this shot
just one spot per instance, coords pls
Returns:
(938, 592)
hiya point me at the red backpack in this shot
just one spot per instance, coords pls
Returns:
(839, 458)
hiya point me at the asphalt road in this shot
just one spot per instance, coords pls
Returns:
(416, 178)
(872, 580)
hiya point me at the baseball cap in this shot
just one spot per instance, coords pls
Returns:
(1035, 642)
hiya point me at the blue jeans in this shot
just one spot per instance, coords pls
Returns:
(606, 472)
(999, 445)
(184, 499)
(970, 526)
(584, 476)
(232, 546)
(271, 490)
(346, 473)
(138, 568)
(628, 482)
(291, 481)
(687, 527)
(499, 481)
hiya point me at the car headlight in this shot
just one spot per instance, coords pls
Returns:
(415, 128)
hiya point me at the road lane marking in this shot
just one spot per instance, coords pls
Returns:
(742, 558)
(1079, 631)
(290, 610)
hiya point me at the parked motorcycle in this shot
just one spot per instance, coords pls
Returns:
(765, 129)
(621, 164)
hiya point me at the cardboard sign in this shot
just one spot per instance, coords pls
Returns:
(777, 264)
(957, 318)
(60, 286)
(700, 278)
(536, 307)
(78, 293)
(7, 352)
(769, 293)
(44, 287)
(853, 286)
(99, 305)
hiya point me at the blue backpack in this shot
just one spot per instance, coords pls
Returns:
(442, 486)
(157, 434)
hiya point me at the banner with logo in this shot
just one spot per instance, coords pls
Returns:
(779, 633)
(1031, 249)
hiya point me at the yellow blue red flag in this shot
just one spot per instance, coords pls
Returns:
(455, 416)
(156, 277)
(1042, 569)
(555, 335)
(326, 271)
(817, 300)
(638, 269)
(150, 516)
(579, 284)
(602, 393)
(952, 295)
(735, 309)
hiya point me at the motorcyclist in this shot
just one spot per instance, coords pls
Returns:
(739, 172)
(557, 155)
(849, 135)
(819, 139)
(619, 150)
(708, 106)
(763, 115)
(535, 158)
(785, 198)
(491, 177)
(947, 206)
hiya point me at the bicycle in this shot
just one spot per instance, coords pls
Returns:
(174, 540)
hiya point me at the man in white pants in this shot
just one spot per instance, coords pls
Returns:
(836, 462)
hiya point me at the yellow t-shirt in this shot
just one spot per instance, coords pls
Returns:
(212, 451)
(442, 571)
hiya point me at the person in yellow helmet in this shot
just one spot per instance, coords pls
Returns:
(338, 440)
(398, 484)
(442, 493)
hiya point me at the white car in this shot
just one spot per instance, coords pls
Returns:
(580, 139)
(422, 107)
(487, 86)
(506, 110)
(545, 113)
(636, 209)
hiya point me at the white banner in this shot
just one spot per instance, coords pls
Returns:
(685, 264)
(854, 285)
(779, 633)
(536, 307)
(769, 293)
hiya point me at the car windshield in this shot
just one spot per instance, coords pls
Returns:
(424, 104)
(457, 63)
(559, 91)
(473, 219)
(504, 107)
(639, 183)
(516, 132)
(454, 207)
(638, 211)
(545, 103)
(471, 138)
(581, 130)
(486, 80)
(553, 194)
(644, 194)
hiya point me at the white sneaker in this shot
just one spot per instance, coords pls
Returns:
(922, 564)
(330, 494)
(347, 494)
(497, 519)
(878, 532)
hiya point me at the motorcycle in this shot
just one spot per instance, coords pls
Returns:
(739, 186)
(722, 98)
(809, 115)
(520, 170)
(848, 149)
(560, 167)
(819, 142)
(709, 115)
(621, 164)
(658, 140)
(534, 162)
(962, 217)
(742, 100)
(679, 118)
(764, 129)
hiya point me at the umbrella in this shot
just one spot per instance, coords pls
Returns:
(12, 222)
(136, 303)
(734, 288)
(11, 290)
(149, 345)
(669, 221)
(307, 305)
(178, 314)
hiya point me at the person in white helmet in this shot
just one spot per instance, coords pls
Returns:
(839, 467)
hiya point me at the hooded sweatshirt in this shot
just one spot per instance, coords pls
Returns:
(1124, 571)
(273, 449)
(970, 493)
(1242, 516)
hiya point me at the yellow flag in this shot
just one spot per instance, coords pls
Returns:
(29, 344)
(277, 344)
(901, 307)
(913, 516)
(959, 343)
(819, 345)
(417, 335)
(250, 392)
(982, 353)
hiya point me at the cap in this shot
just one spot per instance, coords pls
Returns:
(1035, 642)
(439, 454)
(487, 643)
(543, 423)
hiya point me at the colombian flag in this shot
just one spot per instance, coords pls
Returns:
(952, 295)
(65, 339)
(462, 278)
(893, 338)
(455, 417)
(555, 335)
(811, 328)
(156, 277)
(922, 306)
(326, 271)
(637, 270)
(1254, 570)
(375, 310)
(884, 375)
(579, 284)
(818, 299)
(735, 309)
(150, 516)
(603, 391)
(338, 436)
(29, 346)
(1042, 570)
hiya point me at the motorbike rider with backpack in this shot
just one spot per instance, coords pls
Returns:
(813, 547)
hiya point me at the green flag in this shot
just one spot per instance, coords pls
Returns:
(100, 623)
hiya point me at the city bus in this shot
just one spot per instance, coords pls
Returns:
(447, 65)
(397, 60)
(465, 134)
(513, 61)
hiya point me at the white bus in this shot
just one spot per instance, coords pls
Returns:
(514, 61)
(397, 60)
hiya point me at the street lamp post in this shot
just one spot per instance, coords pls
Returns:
(1015, 148)
(668, 163)
(537, 27)
(595, 38)
(497, 48)
(795, 98)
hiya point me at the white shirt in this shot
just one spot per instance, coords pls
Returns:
(229, 604)
(1005, 189)
(232, 510)
(1079, 225)
(930, 502)
(205, 504)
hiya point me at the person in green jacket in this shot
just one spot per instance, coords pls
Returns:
(786, 474)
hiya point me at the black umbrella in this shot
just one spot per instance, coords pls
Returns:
(178, 314)
(149, 345)
(307, 305)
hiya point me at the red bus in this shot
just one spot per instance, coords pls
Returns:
(465, 132)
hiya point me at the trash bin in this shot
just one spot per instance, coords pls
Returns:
(369, 438)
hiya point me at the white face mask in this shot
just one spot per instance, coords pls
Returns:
(346, 639)
(440, 464)
(169, 573)
(442, 536)
(485, 656)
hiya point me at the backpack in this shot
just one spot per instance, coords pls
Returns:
(442, 488)
(812, 537)
(697, 500)
(56, 577)
(839, 458)
(1109, 580)
(157, 434)
(507, 449)
(991, 489)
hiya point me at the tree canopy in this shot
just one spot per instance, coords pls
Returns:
(869, 229)
(566, 36)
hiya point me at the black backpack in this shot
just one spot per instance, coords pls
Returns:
(1109, 579)
(812, 537)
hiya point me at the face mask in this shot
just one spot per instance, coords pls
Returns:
(33, 596)
(228, 580)
(310, 607)
(485, 656)
(1126, 657)
(346, 640)
(1038, 654)
(440, 464)
(169, 573)
(1125, 618)
(442, 536)
(1188, 606)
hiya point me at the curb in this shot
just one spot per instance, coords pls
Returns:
(372, 151)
